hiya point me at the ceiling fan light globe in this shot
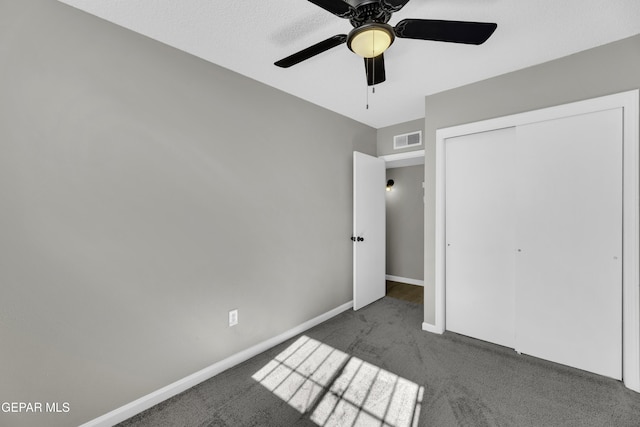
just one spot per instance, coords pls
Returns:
(370, 40)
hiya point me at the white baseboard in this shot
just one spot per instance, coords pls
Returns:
(405, 280)
(145, 402)
(431, 328)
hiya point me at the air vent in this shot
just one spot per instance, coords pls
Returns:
(413, 139)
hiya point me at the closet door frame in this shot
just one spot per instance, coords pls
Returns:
(629, 102)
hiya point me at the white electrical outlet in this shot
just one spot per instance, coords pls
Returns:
(233, 317)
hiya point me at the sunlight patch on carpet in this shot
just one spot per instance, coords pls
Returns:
(338, 389)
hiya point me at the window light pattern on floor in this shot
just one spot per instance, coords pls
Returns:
(338, 389)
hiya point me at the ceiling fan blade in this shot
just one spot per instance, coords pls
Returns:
(445, 31)
(374, 68)
(312, 51)
(337, 7)
(393, 5)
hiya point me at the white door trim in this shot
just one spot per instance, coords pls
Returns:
(399, 160)
(629, 101)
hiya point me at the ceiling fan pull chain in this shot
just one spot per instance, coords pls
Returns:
(367, 89)
(366, 83)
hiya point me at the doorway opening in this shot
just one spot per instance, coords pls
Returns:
(404, 213)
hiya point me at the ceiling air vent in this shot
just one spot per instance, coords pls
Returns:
(413, 139)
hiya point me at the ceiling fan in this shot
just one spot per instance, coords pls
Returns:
(371, 34)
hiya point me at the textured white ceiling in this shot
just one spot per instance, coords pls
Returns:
(248, 36)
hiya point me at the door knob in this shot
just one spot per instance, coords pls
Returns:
(360, 239)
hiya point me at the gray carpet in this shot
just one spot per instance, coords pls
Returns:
(465, 382)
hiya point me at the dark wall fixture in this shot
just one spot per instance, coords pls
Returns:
(389, 184)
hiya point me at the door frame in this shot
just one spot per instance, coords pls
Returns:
(406, 158)
(629, 102)
(402, 160)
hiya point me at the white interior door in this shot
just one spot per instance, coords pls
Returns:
(480, 235)
(569, 233)
(368, 229)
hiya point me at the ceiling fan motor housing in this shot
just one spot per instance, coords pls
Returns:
(368, 12)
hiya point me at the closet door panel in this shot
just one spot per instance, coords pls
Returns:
(569, 237)
(480, 233)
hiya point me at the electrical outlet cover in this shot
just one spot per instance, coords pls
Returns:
(233, 317)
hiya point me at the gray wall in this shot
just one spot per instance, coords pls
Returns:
(405, 222)
(596, 72)
(385, 136)
(145, 193)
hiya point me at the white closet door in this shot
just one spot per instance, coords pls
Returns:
(480, 234)
(569, 233)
